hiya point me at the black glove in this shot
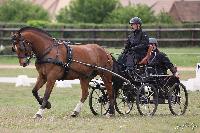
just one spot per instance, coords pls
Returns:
(173, 70)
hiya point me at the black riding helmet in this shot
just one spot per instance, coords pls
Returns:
(135, 20)
(153, 41)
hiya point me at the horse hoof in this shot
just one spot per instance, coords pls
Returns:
(37, 116)
(48, 106)
(74, 114)
(110, 115)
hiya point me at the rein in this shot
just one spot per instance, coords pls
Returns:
(103, 69)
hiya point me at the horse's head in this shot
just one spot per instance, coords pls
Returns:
(22, 47)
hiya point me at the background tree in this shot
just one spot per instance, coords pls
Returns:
(64, 16)
(122, 15)
(21, 11)
(163, 17)
(87, 11)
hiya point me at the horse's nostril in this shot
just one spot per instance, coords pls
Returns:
(24, 64)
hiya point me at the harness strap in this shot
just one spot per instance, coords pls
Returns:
(49, 60)
(55, 61)
(69, 60)
(56, 43)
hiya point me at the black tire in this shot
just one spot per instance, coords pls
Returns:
(147, 100)
(123, 100)
(98, 101)
(178, 99)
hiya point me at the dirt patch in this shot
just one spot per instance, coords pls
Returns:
(186, 68)
(32, 66)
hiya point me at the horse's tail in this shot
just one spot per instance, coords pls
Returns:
(115, 65)
(117, 82)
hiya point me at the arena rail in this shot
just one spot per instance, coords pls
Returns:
(94, 37)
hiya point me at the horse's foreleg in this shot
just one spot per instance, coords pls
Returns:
(84, 87)
(45, 103)
(107, 79)
(39, 83)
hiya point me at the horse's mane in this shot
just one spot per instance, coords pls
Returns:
(35, 29)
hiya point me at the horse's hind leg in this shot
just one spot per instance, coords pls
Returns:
(107, 79)
(84, 87)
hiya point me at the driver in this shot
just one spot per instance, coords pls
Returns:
(136, 45)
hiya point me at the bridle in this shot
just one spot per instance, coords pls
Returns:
(24, 46)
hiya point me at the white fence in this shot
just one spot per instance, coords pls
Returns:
(24, 80)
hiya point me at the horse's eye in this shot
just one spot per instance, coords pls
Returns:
(13, 49)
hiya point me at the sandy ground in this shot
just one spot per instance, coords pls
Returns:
(32, 66)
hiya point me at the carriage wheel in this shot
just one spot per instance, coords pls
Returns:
(98, 102)
(147, 100)
(123, 101)
(178, 99)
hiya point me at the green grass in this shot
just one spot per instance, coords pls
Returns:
(8, 60)
(6, 72)
(17, 106)
(11, 60)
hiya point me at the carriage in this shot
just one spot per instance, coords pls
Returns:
(147, 90)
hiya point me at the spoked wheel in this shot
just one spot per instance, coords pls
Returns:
(98, 102)
(147, 100)
(178, 99)
(123, 100)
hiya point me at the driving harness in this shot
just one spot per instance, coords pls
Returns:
(56, 61)
(65, 65)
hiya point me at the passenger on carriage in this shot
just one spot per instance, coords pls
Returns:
(136, 45)
(158, 60)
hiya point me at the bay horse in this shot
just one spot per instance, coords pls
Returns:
(57, 60)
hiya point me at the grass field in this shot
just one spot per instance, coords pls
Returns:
(17, 106)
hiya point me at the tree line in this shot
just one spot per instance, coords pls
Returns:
(81, 11)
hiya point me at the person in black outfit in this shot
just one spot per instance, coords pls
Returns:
(159, 60)
(136, 45)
